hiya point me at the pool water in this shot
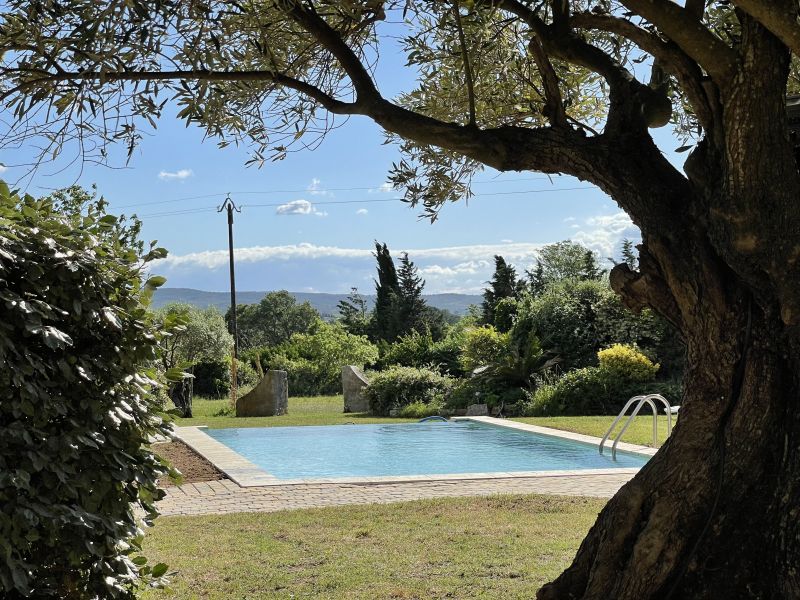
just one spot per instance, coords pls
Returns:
(434, 448)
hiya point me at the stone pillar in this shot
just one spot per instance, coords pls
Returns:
(268, 399)
(353, 385)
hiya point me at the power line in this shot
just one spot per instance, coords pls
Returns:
(306, 191)
(201, 209)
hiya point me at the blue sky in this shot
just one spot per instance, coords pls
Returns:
(304, 243)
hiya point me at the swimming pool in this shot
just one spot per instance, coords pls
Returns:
(410, 449)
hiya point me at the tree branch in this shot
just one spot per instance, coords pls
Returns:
(554, 104)
(685, 70)
(691, 35)
(781, 20)
(333, 43)
(330, 103)
(465, 57)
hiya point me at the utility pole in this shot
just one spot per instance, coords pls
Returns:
(231, 207)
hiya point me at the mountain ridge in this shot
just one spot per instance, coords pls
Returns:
(325, 303)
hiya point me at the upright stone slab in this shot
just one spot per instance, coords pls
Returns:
(268, 399)
(477, 410)
(353, 385)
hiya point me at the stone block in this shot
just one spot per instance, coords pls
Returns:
(268, 399)
(353, 385)
(477, 410)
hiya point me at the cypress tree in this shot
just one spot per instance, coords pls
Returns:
(503, 284)
(386, 321)
(412, 309)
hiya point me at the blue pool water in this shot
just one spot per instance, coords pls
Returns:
(410, 449)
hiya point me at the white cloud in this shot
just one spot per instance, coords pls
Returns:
(507, 241)
(472, 267)
(3, 168)
(362, 211)
(465, 257)
(314, 188)
(178, 175)
(212, 259)
(299, 207)
(384, 188)
(604, 233)
(570, 219)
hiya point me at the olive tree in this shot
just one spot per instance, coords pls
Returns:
(555, 86)
(196, 335)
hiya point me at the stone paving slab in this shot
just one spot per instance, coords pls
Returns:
(223, 497)
(568, 435)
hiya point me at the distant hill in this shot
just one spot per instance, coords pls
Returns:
(324, 303)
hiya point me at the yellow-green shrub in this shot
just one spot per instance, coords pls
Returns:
(626, 361)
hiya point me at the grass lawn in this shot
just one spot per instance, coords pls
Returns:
(495, 547)
(317, 410)
(640, 430)
(327, 410)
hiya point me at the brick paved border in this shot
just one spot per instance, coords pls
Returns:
(224, 497)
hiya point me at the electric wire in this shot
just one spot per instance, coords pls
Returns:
(202, 209)
(319, 191)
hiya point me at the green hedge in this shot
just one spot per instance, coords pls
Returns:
(397, 387)
(594, 391)
(75, 407)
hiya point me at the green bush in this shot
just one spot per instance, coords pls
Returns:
(482, 346)
(212, 379)
(627, 362)
(575, 319)
(479, 390)
(420, 410)
(314, 360)
(603, 390)
(75, 408)
(397, 387)
(418, 349)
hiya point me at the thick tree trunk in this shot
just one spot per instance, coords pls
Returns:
(715, 513)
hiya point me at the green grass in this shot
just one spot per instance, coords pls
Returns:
(640, 430)
(496, 547)
(318, 410)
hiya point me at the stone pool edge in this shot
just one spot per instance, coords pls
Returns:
(246, 474)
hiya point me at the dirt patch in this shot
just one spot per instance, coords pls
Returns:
(192, 466)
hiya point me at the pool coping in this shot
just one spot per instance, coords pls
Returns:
(246, 474)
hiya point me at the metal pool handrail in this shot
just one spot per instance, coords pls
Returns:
(641, 400)
(432, 418)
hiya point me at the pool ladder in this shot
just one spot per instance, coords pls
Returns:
(640, 401)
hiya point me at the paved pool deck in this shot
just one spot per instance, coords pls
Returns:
(250, 489)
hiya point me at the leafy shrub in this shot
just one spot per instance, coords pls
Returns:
(505, 311)
(479, 390)
(313, 361)
(397, 387)
(417, 349)
(623, 372)
(75, 413)
(482, 346)
(420, 410)
(410, 350)
(213, 378)
(627, 362)
(575, 319)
